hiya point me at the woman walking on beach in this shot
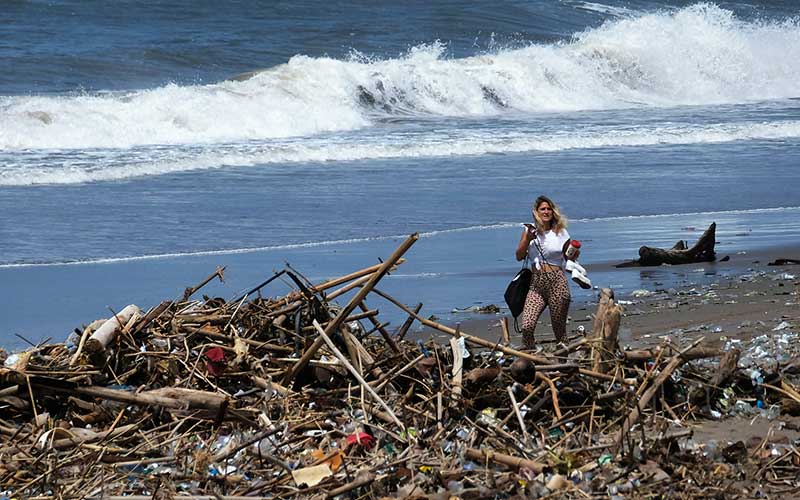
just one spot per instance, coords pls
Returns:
(545, 242)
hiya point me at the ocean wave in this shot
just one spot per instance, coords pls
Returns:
(103, 165)
(701, 54)
(355, 241)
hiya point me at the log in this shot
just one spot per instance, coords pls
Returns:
(168, 397)
(484, 455)
(702, 251)
(727, 365)
(482, 376)
(457, 373)
(605, 332)
(108, 331)
(784, 262)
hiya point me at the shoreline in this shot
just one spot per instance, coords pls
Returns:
(622, 280)
(720, 294)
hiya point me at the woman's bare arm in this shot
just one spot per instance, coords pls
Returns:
(524, 242)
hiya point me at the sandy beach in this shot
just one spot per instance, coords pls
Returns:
(280, 149)
(741, 304)
(740, 299)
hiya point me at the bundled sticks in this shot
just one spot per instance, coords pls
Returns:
(296, 397)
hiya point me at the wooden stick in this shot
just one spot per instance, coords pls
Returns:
(727, 366)
(635, 414)
(523, 402)
(367, 313)
(219, 272)
(388, 338)
(334, 325)
(553, 393)
(70, 442)
(361, 480)
(357, 274)
(401, 333)
(391, 374)
(360, 281)
(507, 460)
(77, 355)
(457, 373)
(514, 407)
(649, 354)
(605, 331)
(355, 374)
(205, 332)
(189, 399)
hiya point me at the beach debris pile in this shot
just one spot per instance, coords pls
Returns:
(299, 396)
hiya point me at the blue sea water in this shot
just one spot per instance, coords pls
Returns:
(144, 143)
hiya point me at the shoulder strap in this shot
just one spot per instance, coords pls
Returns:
(539, 248)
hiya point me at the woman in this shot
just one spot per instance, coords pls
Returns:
(544, 243)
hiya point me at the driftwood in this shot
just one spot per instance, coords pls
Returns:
(605, 332)
(186, 403)
(108, 331)
(784, 262)
(507, 460)
(702, 251)
(354, 302)
(727, 365)
(648, 394)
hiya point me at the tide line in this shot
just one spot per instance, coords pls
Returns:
(350, 241)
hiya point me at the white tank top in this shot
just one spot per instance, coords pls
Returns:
(552, 246)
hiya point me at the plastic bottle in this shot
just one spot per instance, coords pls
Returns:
(573, 249)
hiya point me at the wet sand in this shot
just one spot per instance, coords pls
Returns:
(742, 298)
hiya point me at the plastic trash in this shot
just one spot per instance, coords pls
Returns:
(782, 326)
(773, 412)
(463, 346)
(11, 361)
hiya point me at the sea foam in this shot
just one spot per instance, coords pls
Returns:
(36, 168)
(698, 55)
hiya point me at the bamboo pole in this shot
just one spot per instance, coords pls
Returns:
(354, 372)
(334, 325)
(644, 400)
(401, 333)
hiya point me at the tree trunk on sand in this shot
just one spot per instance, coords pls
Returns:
(605, 332)
(702, 251)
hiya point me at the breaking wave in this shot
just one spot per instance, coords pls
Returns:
(701, 54)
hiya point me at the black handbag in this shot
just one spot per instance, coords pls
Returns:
(517, 291)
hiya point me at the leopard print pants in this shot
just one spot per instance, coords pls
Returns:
(548, 289)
